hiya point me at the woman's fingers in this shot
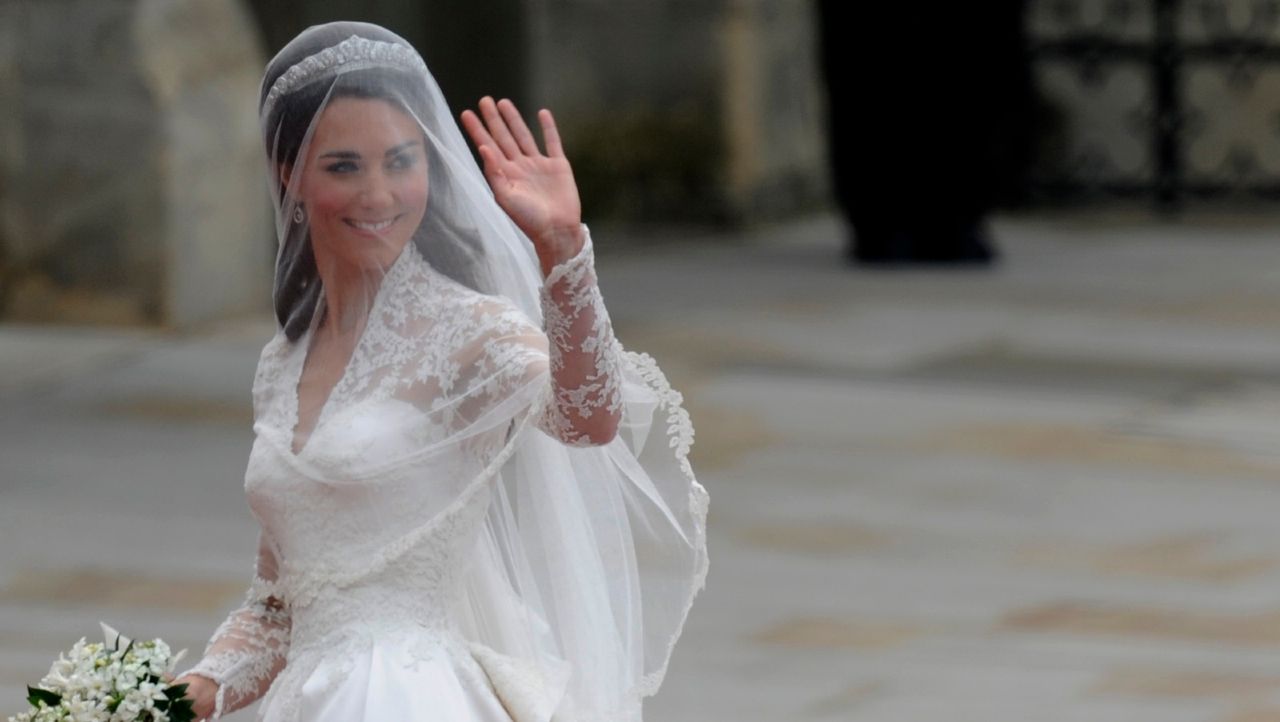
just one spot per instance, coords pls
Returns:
(550, 134)
(501, 127)
(498, 128)
(494, 174)
(475, 128)
(490, 155)
(518, 128)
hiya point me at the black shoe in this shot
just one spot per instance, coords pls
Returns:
(969, 248)
(888, 249)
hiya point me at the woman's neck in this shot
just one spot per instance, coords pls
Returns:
(348, 295)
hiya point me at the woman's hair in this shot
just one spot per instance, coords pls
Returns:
(297, 289)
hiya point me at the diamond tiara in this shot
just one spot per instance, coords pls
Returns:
(354, 53)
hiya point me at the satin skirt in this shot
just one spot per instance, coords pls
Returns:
(405, 679)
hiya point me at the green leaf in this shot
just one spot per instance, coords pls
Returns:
(182, 711)
(177, 691)
(35, 695)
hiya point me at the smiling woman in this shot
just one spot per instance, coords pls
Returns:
(365, 157)
(366, 188)
(475, 506)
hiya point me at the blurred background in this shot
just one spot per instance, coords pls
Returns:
(974, 307)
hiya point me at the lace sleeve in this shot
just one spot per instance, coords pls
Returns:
(248, 649)
(584, 401)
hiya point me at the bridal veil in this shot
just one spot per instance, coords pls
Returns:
(589, 553)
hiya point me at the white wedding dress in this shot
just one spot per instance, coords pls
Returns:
(376, 594)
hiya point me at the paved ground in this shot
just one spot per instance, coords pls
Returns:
(1044, 493)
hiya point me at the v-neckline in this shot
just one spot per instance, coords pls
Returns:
(295, 419)
(303, 350)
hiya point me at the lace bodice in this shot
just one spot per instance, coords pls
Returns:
(345, 555)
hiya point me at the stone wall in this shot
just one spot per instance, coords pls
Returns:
(684, 109)
(773, 115)
(131, 180)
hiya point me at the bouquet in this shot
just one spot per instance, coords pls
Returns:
(117, 681)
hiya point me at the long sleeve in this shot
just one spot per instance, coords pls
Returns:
(248, 649)
(584, 403)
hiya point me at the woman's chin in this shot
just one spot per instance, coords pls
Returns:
(365, 248)
(378, 254)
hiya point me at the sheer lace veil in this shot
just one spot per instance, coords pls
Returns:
(406, 293)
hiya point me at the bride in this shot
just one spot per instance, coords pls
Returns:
(474, 504)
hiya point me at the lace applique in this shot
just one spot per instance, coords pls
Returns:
(422, 650)
(585, 402)
(680, 431)
(433, 540)
(679, 427)
(249, 648)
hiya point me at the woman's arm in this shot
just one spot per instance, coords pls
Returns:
(585, 404)
(248, 649)
(538, 192)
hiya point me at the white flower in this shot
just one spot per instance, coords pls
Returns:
(114, 638)
(128, 711)
(152, 690)
(82, 710)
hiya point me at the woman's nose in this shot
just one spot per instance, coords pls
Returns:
(378, 192)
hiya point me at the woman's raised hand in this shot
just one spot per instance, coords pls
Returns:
(537, 190)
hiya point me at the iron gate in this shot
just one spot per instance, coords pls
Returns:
(1167, 100)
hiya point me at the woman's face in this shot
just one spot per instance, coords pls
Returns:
(364, 185)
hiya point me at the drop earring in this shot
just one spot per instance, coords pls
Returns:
(299, 215)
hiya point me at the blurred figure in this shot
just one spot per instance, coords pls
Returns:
(926, 108)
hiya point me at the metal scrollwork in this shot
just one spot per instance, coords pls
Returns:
(1165, 99)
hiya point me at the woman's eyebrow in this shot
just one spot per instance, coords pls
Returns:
(352, 155)
(403, 146)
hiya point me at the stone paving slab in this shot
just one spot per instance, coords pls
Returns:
(1043, 492)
